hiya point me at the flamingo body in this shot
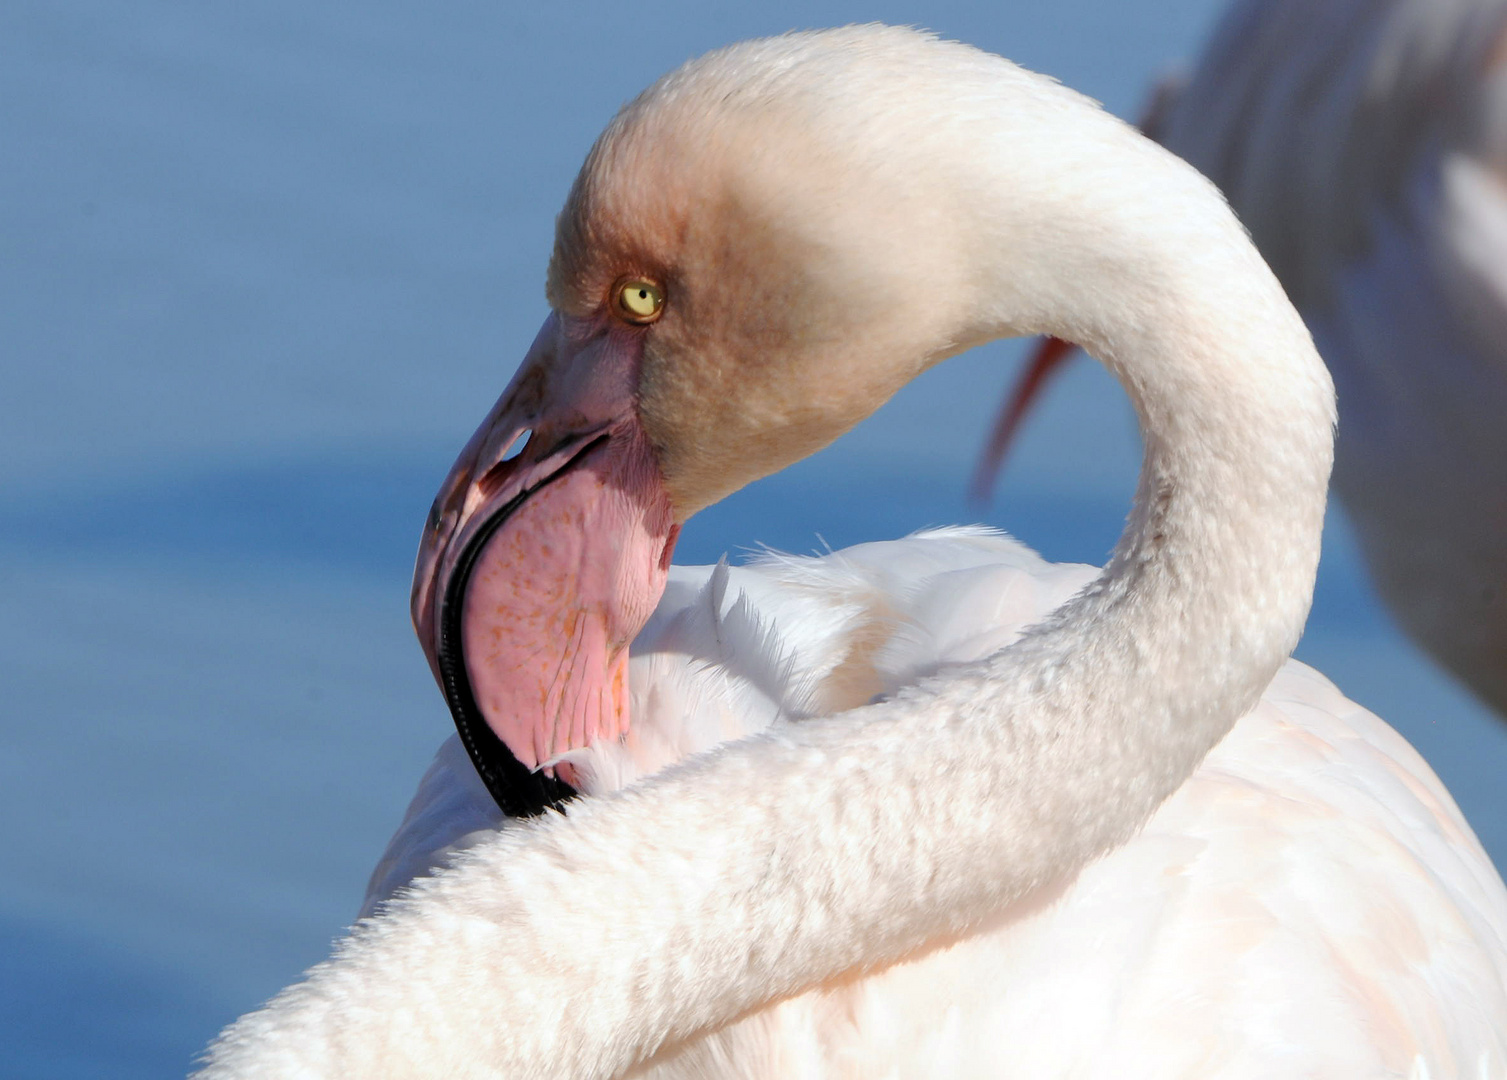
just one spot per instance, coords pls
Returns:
(930, 808)
(1310, 902)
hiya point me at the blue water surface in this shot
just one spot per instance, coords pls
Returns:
(265, 267)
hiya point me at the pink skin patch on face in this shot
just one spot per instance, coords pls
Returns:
(559, 593)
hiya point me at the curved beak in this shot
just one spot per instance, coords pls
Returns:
(545, 552)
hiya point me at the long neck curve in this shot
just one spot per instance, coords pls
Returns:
(581, 945)
(1208, 589)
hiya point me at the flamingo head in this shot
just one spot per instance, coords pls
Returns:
(757, 253)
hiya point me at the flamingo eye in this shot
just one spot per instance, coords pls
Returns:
(637, 300)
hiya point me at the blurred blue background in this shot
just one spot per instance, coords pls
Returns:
(265, 265)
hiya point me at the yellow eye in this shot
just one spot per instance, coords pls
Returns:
(637, 300)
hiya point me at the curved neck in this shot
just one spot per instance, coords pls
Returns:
(581, 945)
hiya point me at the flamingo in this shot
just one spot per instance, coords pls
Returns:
(1362, 142)
(931, 807)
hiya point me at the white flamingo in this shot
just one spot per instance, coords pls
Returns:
(970, 823)
(1364, 144)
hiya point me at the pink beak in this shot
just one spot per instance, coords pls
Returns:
(537, 570)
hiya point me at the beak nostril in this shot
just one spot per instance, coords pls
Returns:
(499, 473)
(518, 444)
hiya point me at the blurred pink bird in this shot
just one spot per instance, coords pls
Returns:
(1364, 144)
